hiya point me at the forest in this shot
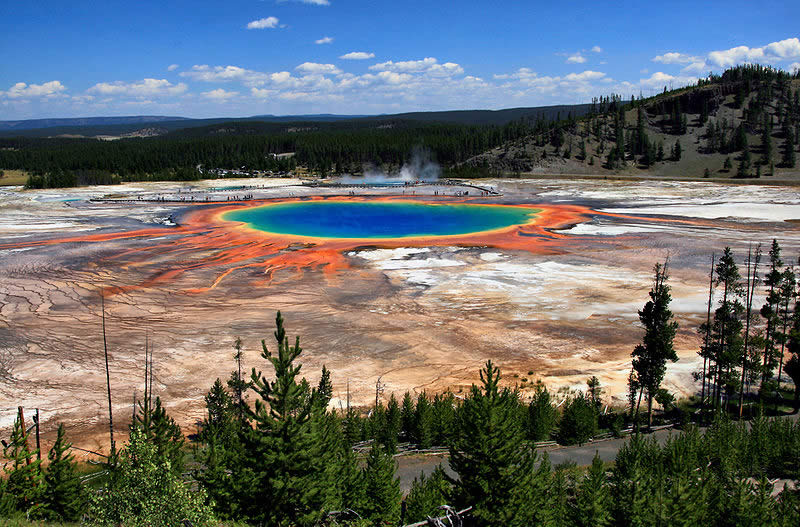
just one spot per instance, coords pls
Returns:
(272, 451)
(748, 116)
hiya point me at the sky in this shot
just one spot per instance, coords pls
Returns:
(290, 57)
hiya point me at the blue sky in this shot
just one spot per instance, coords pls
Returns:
(250, 57)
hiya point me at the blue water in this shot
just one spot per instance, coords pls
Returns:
(378, 219)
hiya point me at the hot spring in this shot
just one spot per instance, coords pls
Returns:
(379, 219)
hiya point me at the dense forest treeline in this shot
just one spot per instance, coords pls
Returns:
(271, 451)
(749, 116)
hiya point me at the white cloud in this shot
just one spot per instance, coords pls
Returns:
(587, 75)
(22, 90)
(263, 23)
(795, 66)
(314, 68)
(311, 2)
(219, 94)
(675, 58)
(172, 67)
(696, 68)
(428, 65)
(139, 89)
(324, 40)
(577, 58)
(660, 79)
(596, 49)
(357, 55)
(206, 73)
(773, 52)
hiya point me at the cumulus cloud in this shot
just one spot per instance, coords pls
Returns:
(314, 68)
(587, 75)
(675, 58)
(324, 40)
(172, 67)
(357, 55)
(219, 94)
(596, 49)
(22, 90)
(577, 58)
(773, 52)
(660, 79)
(427, 65)
(205, 73)
(263, 23)
(139, 89)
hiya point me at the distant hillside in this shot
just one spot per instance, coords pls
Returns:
(131, 126)
(34, 124)
(741, 124)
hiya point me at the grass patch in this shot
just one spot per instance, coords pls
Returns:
(13, 177)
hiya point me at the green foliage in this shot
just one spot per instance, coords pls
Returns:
(427, 495)
(24, 483)
(593, 498)
(650, 357)
(423, 422)
(578, 422)
(145, 491)
(282, 468)
(381, 503)
(541, 415)
(494, 465)
(64, 497)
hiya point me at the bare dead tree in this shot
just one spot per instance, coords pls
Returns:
(108, 374)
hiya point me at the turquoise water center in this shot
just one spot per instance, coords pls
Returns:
(379, 219)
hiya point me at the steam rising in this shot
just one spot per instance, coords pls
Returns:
(419, 168)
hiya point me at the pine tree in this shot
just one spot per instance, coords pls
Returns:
(381, 488)
(770, 309)
(650, 358)
(392, 425)
(578, 422)
(283, 475)
(541, 415)
(726, 331)
(427, 494)
(407, 417)
(24, 482)
(495, 470)
(789, 158)
(64, 498)
(423, 422)
(593, 499)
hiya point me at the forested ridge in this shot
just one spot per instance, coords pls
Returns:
(272, 451)
(743, 123)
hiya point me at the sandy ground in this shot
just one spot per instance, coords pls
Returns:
(420, 317)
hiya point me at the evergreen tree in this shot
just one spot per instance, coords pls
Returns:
(423, 422)
(283, 477)
(427, 494)
(495, 469)
(578, 422)
(64, 498)
(392, 425)
(770, 309)
(160, 429)
(789, 158)
(593, 498)
(541, 415)
(24, 482)
(726, 331)
(650, 358)
(407, 417)
(381, 488)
